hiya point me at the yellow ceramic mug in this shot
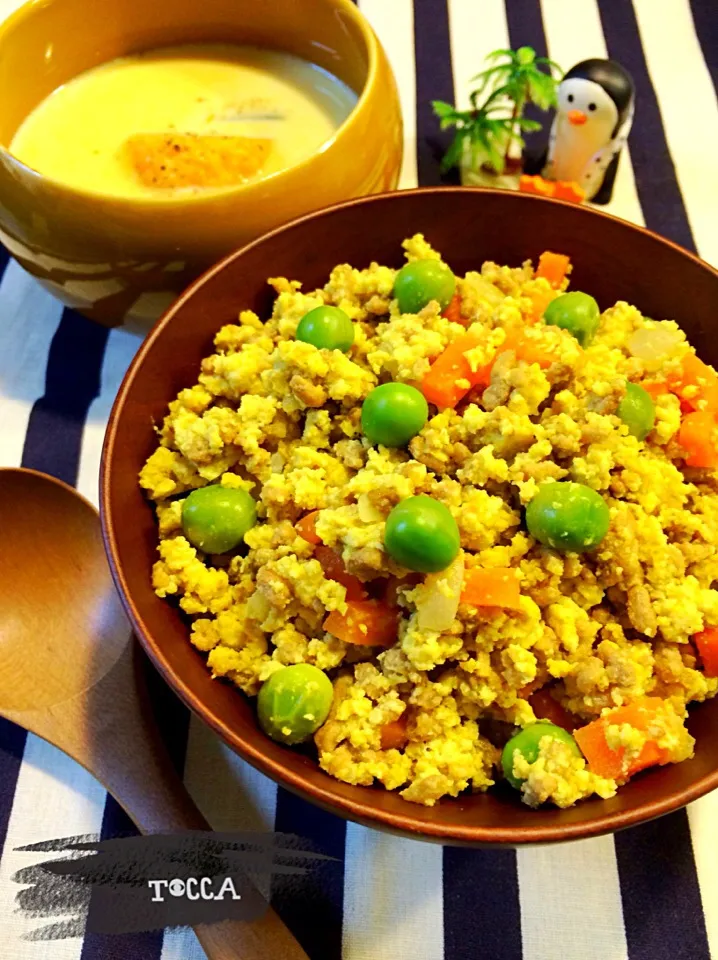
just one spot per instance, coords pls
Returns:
(116, 259)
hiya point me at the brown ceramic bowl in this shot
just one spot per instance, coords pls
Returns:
(119, 259)
(613, 260)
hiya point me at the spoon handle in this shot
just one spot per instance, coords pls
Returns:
(119, 743)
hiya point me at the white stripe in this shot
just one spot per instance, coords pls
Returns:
(29, 316)
(121, 348)
(702, 818)
(181, 944)
(54, 798)
(687, 101)
(393, 904)
(571, 902)
(573, 33)
(475, 30)
(393, 23)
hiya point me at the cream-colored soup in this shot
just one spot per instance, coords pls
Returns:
(150, 124)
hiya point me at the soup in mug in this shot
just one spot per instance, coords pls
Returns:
(183, 119)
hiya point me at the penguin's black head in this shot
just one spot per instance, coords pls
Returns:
(614, 79)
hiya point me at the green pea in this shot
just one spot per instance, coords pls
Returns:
(567, 516)
(216, 518)
(326, 328)
(294, 703)
(393, 413)
(576, 312)
(420, 281)
(421, 534)
(527, 742)
(637, 411)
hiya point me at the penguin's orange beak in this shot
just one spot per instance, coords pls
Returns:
(576, 117)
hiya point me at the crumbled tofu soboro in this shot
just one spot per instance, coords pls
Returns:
(600, 629)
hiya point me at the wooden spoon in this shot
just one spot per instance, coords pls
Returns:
(71, 672)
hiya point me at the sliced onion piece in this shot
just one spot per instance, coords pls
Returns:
(368, 513)
(438, 596)
(653, 343)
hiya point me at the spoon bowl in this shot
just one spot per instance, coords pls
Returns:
(54, 588)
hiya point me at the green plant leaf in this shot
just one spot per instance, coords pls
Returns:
(452, 157)
(551, 64)
(442, 109)
(542, 90)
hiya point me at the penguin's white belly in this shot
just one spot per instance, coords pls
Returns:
(572, 153)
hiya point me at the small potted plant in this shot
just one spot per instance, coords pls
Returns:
(489, 141)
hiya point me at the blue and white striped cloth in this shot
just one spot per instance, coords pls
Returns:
(650, 893)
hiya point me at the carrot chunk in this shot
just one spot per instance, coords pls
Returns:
(698, 435)
(334, 570)
(553, 267)
(655, 388)
(608, 762)
(307, 527)
(366, 623)
(453, 311)
(540, 300)
(696, 385)
(546, 708)
(569, 190)
(532, 351)
(707, 645)
(450, 376)
(394, 735)
(492, 587)
(537, 185)
(560, 189)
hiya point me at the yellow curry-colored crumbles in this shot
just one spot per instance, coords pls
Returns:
(418, 513)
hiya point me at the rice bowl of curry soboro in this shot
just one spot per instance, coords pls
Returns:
(471, 562)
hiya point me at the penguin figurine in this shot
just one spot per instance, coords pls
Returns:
(592, 122)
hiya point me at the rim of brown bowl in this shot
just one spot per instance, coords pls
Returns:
(151, 204)
(358, 806)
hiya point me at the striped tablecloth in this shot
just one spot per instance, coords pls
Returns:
(650, 893)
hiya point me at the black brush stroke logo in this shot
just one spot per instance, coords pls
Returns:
(135, 884)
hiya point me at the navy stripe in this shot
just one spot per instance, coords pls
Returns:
(705, 19)
(434, 81)
(311, 906)
(12, 745)
(54, 431)
(525, 25)
(661, 900)
(656, 183)
(482, 917)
